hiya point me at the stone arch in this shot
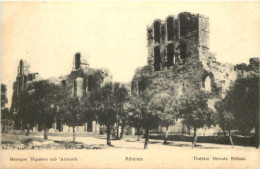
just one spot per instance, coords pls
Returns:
(142, 85)
(157, 31)
(170, 28)
(77, 61)
(79, 82)
(207, 81)
(207, 84)
(183, 49)
(170, 55)
(163, 33)
(157, 58)
(75, 88)
(90, 82)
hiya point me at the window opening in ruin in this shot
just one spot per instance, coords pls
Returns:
(75, 88)
(63, 83)
(183, 49)
(90, 81)
(157, 32)
(170, 28)
(21, 67)
(77, 61)
(157, 58)
(141, 86)
(163, 32)
(184, 23)
(150, 36)
(170, 54)
(207, 84)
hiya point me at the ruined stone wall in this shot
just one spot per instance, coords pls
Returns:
(180, 61)
(23, 80)
(83, 79)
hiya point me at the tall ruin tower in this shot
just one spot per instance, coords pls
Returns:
(175, 39)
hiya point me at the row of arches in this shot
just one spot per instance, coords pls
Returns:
(172, 57)
(186, 23)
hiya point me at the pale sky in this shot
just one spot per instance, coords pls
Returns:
(112, 34)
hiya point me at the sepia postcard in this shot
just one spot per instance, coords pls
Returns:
(130, 84)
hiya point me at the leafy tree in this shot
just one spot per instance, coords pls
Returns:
(120, 98)
(103, 102)
(149, 117)
(39, 103)
(134, 109)
(73, 113)
(166, 108)
(244, 99)
(242, 102)
(4, 99)
(195, 112)
(27, 109)
(225, 117)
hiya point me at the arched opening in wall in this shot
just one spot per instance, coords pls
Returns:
(163, 33)
(184, 23)
(170, 28)
(75, 88)
(157, 59)
(157, 32)
(170, 54)
(77, 61)
(63, 82)
(183, 49)
(207, 84)
(141, 86)
(90, 81)
(21, 67)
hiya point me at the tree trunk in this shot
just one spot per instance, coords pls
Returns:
(108, 135)
(166, 135)
(138, 133)
(146, 138)
(257, 134)
(28, 130)
(74, 136)
(21, 125)
(230, 138)
(224, 132)
(194, 138)
(117, 132)
(122, 131)
(45, 131)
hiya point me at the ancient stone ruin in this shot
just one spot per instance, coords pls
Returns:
(179, 59)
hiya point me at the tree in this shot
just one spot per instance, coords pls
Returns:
(4, 99)
(27, 109)
(73, 113)
(120, 98)
(195, 112)
(104, 102)
(166, 108)
(134, 110)
(225, 117)
(149, 118)
(39, 103)
(242, 101)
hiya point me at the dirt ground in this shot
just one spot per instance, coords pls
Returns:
(18, 140)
